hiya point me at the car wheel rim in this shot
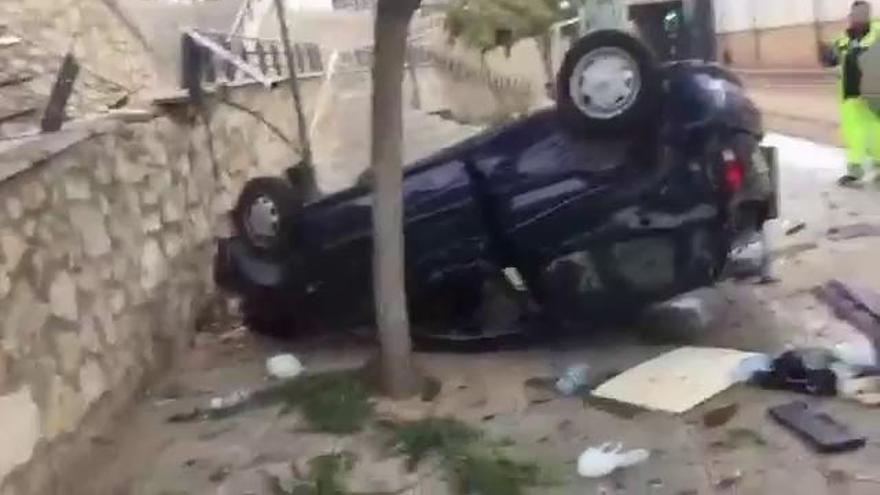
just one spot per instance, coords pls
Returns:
(605, 83)
(262, 222)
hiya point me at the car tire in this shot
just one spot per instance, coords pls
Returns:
(267, 216)
(625, 102)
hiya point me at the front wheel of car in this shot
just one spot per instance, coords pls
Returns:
(267, 216)
(609, 84)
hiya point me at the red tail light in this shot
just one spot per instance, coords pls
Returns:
(734, 171)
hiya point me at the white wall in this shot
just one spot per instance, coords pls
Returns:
(741, 15)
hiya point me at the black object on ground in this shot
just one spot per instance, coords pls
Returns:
(794, 229)
(53, 116)
(797, 371)
(824, 433)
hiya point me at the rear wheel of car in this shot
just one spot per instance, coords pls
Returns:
(267, 215)
(609, 84)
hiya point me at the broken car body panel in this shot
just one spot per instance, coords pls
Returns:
(591, 225)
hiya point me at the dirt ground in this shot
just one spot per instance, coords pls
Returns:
(748, 455)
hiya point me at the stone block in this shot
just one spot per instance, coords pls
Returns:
(62, 297)
(149, 197)
(33, 195)
(21, 432)
(88, 279)
(128, 171)
(92, 381)
(172, 207)
(12, 248)
(5, 284)
(77, 188)
(29, 228)
(69, 350)
(14, 207)
(88, 335)
(62, 410)
(23, 319)
(172, 243)
(105, 320)
(153, 265)
(117, 301)
(152, 223)
(90, 224)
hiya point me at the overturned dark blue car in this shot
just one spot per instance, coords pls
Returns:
(631, 190)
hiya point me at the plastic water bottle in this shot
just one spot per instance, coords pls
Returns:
(573, 379)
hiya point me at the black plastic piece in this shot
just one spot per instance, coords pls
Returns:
(824, 433)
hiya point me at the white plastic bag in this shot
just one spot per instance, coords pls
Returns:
(596, 462)
(284, 366)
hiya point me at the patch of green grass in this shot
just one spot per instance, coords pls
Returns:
(493, 474)
(474, 469)
(325, 476)
(333, 402)
(441, 436)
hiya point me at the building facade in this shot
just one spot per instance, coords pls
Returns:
(777, 33)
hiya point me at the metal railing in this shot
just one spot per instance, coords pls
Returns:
(213, 57)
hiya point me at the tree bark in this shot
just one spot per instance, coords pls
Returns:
(398, 378)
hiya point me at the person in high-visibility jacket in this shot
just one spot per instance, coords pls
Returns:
(860, 125)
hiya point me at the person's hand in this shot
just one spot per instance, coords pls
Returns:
(827, 55)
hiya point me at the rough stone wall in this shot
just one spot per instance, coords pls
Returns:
(105, 258)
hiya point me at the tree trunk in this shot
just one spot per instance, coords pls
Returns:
(392, 25)
(306, 172)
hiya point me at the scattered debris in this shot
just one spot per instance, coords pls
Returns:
(234, 335)
(186, 417)
(824, 433)
(573, 380)
(431, 388)
(53, 115)
(807, 371)
(748, 258)
(865, 390)
(596, 462)
(219, 474)
(720, 416)
(795, 228)
(728, 482)
(853, 231)
(676, 381)
(332, 402)
(855, 304)
(284, 366)
(539, 390)
(737, 438)
(233, 399)
(9, 40)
